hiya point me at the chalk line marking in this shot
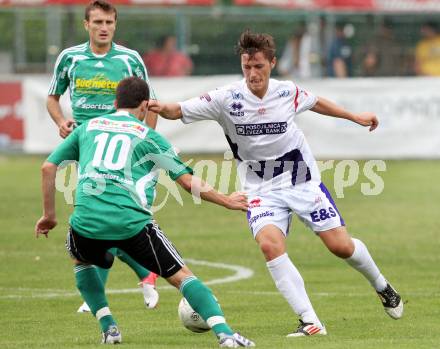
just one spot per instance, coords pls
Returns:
(240, 273)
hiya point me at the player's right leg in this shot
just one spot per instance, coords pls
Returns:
(147, 279)
(288, 280)
(152, 249)
(203, 302)
(86, 252)
(269, 220)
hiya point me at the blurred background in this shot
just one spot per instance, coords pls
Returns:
(360, 53)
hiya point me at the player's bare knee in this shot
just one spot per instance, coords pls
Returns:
(342, 249)
(270, 249)
(177, 278)
(77, 262)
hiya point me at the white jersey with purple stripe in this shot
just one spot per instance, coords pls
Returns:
(270, 149)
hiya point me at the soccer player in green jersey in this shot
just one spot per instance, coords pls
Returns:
(92, 72)
(119, 158)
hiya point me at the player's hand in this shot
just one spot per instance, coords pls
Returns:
(238, 201)
(367, 119)
(155, 106)
(66, 127)
(43, 226)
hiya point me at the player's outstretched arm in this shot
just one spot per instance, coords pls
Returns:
(196, 186)
(65, 126)
(326, 107)
(48, 220)
(171, 111)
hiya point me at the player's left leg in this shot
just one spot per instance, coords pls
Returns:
(147, 280)
(356, 254)
(317, 209)
(86, 252)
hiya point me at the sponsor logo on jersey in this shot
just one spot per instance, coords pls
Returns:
(130, 127)
(255, 203)
(237, 95)
(99, 82)
(236, 109)
(262, 111)
(323, 214)
(269, 128)
(206, 97)
(92, 106)
(261, 215)
(283, 93)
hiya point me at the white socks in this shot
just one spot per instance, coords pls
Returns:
(363, 263)
(291, 285)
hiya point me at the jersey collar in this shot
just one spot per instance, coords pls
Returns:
(268, 91)
(124, 113)
(89, 50)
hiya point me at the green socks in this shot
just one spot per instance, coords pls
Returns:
(92, 290)
(203, 302)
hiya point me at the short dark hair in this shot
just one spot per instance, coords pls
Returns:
(251, 43)
(101, 4)
(131, 92)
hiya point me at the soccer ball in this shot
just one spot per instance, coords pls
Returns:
(190, 319)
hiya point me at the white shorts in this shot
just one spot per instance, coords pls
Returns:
(310, 201)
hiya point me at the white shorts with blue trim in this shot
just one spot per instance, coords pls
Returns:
(311, 202)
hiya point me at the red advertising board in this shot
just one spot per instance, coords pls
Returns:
(309, 4)
(11, 121)
(373, 5)
(116, 2)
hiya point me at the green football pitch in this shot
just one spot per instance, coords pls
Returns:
(38, 300)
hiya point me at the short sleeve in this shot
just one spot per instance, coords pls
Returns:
(162, 154)
(60, 79)
(303, 100)
(140, 70)
(206, 107)
(68, 149)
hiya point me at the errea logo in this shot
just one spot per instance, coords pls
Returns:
(236, 106)
(236, 109)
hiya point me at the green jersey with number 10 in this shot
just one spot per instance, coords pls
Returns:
(119, 160)
(92, 79)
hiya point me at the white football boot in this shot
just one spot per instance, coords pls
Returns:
(307, 329)
(112, 336)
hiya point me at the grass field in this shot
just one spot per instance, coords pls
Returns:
(38, 300)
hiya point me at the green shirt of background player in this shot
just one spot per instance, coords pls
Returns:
(119, 158)
(92, 72)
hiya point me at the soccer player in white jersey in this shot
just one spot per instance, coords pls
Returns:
(92, 72)
(279, 172)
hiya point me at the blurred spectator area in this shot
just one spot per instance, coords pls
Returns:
(32, 37)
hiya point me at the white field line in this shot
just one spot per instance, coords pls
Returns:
(241, 273)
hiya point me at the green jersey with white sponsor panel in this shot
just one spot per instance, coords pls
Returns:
(119, 161)
(92, 79)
